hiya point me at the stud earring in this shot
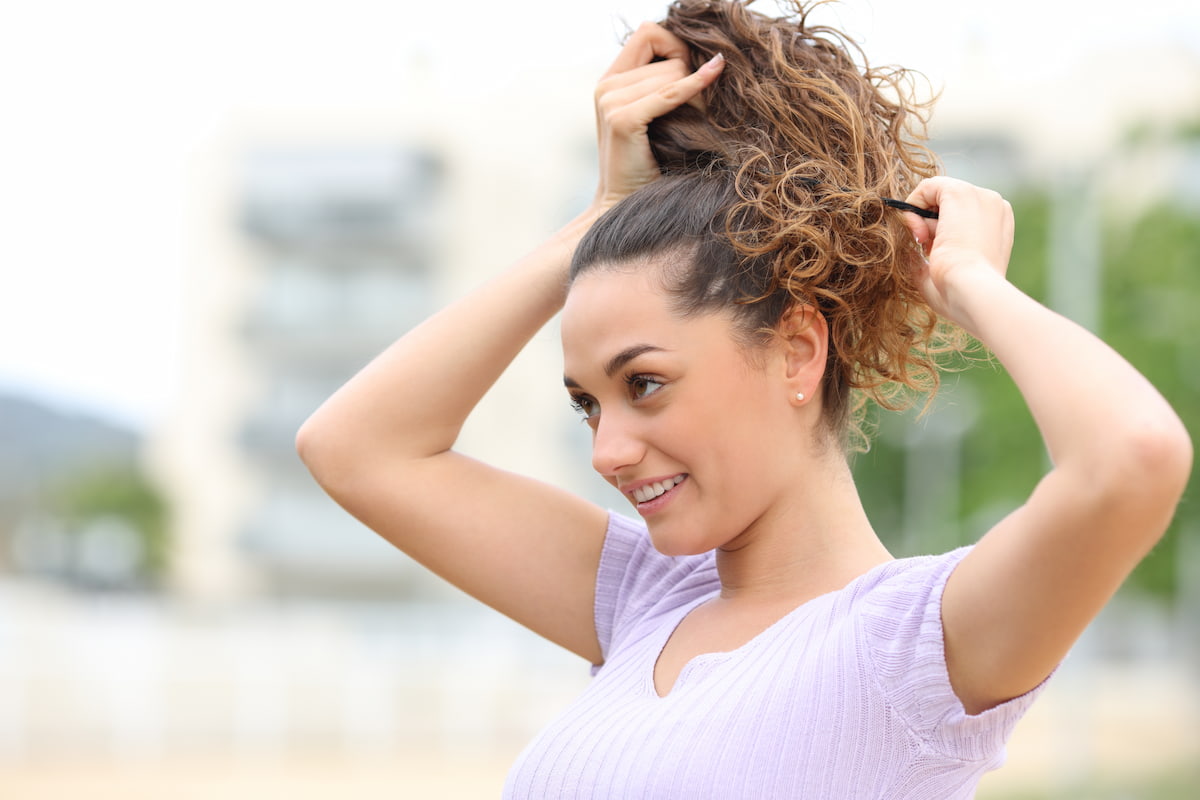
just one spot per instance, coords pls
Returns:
(800, 396)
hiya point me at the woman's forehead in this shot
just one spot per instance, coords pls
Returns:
(605, 302)
(608, 312)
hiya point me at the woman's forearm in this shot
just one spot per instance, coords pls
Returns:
(1097, 414)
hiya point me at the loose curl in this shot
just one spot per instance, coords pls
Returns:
(772, 196)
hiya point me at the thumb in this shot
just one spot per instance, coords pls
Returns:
(923, 230)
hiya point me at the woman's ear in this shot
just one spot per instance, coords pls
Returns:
(804, 338)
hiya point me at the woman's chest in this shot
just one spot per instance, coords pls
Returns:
(721, 730)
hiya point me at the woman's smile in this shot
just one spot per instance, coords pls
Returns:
(645, 493)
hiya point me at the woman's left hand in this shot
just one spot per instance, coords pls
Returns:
(971, 238)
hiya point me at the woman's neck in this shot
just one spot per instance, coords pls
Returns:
(815, 540)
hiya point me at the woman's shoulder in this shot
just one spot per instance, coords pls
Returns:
(899, 602)
(631, 566)
(634, 581)
(901, 574)
(899, 633)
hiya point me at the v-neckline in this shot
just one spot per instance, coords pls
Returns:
(661, 642)
(714, 655)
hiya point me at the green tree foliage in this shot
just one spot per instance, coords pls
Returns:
(122, 493)
(1003, 454)
(1151, 298)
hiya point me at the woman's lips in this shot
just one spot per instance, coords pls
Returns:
(653, 495)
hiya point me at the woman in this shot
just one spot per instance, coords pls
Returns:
(743, 278)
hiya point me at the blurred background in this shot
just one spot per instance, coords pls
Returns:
(214, 213)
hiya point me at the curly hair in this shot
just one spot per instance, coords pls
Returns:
(773, 196)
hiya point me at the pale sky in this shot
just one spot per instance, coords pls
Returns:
(105, 105)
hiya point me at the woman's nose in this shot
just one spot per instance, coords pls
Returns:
(615, 445)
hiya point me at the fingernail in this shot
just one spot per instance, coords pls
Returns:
(714, 63)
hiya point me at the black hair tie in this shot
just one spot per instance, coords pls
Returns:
(887, 201)
(903, 206)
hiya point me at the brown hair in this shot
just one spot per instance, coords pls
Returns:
(773, 196)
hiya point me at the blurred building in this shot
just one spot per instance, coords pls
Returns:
(342, 242)
(315, 253)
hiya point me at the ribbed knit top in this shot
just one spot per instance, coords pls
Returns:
(847, 696)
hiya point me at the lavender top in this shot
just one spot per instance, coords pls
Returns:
(846, 696)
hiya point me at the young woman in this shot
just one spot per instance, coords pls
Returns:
(746, 274)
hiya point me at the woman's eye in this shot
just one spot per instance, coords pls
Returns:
(642, 386)
(584, 406)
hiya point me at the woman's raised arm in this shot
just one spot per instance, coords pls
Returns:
(381, 446)
(1121, 459)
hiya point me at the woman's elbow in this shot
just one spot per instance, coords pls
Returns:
(1164, 449)
(1157, 464)
(318, 447)
(306, 438)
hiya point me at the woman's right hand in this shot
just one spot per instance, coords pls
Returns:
(972, 237)
(636, 90)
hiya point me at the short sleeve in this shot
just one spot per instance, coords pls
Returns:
(904, 639)
(633, 578)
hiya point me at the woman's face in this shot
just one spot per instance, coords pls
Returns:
(694, 432)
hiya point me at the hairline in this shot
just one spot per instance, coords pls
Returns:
(670, 264)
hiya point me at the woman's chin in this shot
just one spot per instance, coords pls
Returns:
(677, 545)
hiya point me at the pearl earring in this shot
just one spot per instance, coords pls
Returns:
(800, 396)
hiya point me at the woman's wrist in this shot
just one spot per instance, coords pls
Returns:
(574, 230)
(549, 264)
(973, 297)
(562, 243)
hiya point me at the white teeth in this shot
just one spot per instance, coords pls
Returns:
(653, 490)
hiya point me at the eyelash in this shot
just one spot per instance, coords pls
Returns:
(631, 380)
(577, 402)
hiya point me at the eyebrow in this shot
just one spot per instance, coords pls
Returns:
(619, 360)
